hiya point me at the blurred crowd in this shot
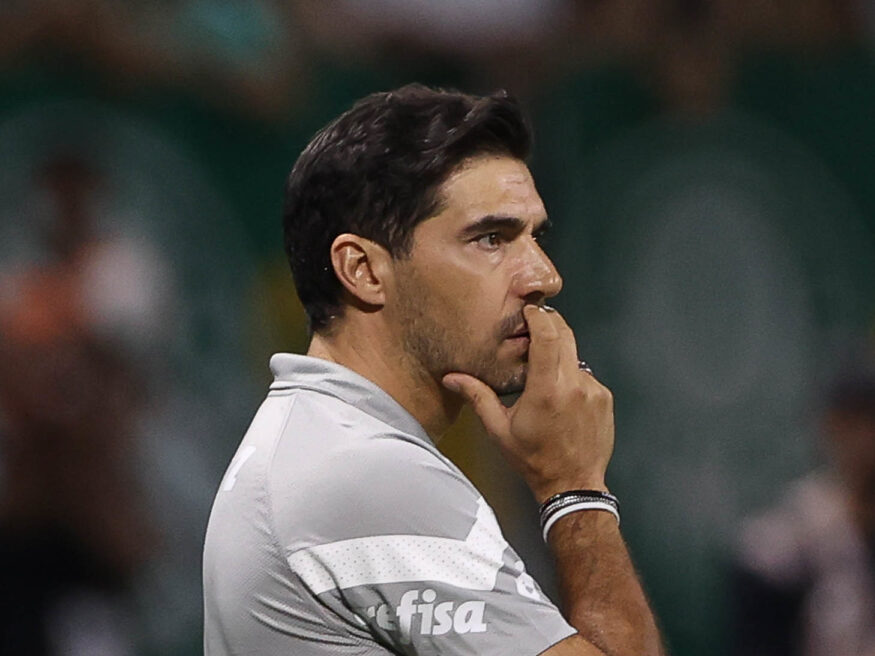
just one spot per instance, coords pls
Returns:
(143, 145)
(256, 56)
(72, 525)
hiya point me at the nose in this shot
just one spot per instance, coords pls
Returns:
(537, 278)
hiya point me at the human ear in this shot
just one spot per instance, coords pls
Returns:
(361, 266)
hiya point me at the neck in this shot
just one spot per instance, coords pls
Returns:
(374, 354)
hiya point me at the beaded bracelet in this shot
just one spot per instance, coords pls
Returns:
(571, 501)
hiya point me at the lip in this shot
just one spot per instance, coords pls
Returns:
(521, 331)
(521, 340)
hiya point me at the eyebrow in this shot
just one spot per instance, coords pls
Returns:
(494, 222)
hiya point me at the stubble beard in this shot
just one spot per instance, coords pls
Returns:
(438, 349)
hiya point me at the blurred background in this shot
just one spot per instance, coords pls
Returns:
(708, 165)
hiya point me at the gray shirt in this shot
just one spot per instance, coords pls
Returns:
(339, 528)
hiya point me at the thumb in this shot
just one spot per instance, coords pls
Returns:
(481, 397)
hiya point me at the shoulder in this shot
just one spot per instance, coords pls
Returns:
(391, 535)
(778, 542)
(338, 473)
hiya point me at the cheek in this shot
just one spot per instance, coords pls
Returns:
(454, 286)
(464, 313)
(472, 292)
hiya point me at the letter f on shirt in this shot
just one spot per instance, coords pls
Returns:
(405, 612)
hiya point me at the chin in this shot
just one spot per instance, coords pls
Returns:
(515, 385)
(509, 390)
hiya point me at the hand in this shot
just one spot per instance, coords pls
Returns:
(560, 433)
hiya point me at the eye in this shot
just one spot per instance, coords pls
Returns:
(490, 241)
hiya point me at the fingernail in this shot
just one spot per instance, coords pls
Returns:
(547, 308)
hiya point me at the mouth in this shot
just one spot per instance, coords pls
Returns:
(522, 330)
(515, 333)
(520, 336)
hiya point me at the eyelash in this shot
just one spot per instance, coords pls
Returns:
(497, 239)
(490, 243)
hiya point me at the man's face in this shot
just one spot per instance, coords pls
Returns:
(472, 268)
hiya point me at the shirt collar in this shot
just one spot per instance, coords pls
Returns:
(293, 371)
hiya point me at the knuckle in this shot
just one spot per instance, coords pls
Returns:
(478, 399)
(564, 327)
(579, 394)
(594, 393)
(550, 336)
(606, 397)
(543, 402)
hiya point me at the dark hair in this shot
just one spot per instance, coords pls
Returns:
(375, 171)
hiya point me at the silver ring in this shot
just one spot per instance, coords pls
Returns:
(583, 366)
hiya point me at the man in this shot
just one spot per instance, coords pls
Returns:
(412, 226)
(74, 532)
(804, 576)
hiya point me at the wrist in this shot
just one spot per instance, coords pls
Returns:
(545, 491)
(581, 530)
(573, 501)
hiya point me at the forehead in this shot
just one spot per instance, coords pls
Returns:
(489, 185)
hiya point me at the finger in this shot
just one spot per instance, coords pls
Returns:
(481, 397)
(544, 345)
(568, 360)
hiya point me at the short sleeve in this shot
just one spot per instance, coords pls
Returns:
(403, 548)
